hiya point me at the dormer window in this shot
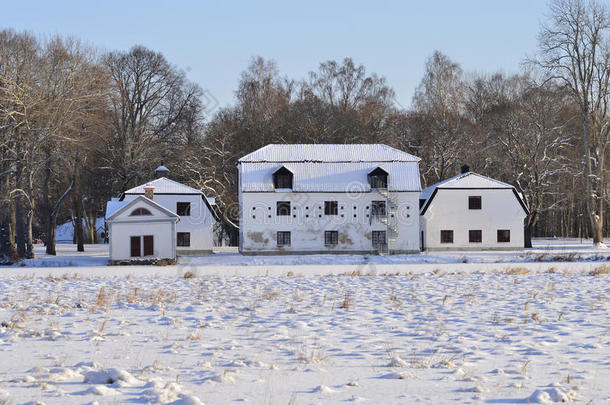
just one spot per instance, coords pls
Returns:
(378, 179)
(139, 211)
(282, 178)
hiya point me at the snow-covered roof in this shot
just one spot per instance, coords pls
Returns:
(163, 185)
(468, 180)
(65, 231)
(151, 203)
(330, 177)
(464, 180)
(328, 153)
(162, 169)
(329, 168)
(113, 206)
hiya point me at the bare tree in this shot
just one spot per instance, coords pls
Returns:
(439, 101)
(148, 98)
(533, 133)
(575, 50)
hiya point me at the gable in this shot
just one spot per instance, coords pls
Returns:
(166, 186)
(465, 191)
(142, 204)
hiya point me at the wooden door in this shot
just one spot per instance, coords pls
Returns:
(135, 246)
(149, 247)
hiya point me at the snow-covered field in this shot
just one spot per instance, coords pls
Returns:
(500, 329)
(545, 250)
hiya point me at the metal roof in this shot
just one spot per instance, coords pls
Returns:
(328, 153)
(164, 185)
(330, 177)
(464, 180)
(470, 181)
(113, 206)
(151, 203)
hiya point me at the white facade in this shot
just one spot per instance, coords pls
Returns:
(197, 221)
(471, 212)
(332, 207)
(141, 230)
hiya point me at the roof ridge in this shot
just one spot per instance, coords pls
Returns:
(461, 176)
(163, 179)
(323, 152)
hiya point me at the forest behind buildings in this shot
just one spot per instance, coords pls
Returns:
(79, 126)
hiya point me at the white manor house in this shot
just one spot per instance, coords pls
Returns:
(322, 198)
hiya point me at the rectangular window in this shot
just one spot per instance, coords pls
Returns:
(183, 209)
(135, 246)
(503, 235)
(283, 208)
(184, 239)
(475, 236)
(149, 246)
(331, 208)
(446, 236)
(283, 238)
(378, 208)
(474, 202)
(379, 238)
(331, 237)
(282, 180)
(379, 180)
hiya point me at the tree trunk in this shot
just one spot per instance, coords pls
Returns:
(12, 224)
(52, 221)
(530, 222)
(78, 226)
(597, 229)
(91, 222)
(590, 203)
(51, 241)
(29, 251)
(527, 236)
(19, 215)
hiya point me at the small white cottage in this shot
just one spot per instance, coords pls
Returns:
(141, 231)
(194, 233)
(471, 212)
(328, 199)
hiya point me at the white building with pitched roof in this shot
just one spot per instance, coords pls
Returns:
(328, 199)
(470, 212)
(141, 230)
(194, 233)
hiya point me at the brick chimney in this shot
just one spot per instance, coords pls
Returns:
(149, 192)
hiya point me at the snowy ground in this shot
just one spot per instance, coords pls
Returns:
(545, 250)
(500, 329)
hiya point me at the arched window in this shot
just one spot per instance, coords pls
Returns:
(378, 178)
(139, 211)
(282, 178)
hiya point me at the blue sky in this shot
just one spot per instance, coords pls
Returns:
(214, 41)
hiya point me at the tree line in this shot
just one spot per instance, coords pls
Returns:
(78, 126)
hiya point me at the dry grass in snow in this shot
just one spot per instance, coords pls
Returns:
(509, 336)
